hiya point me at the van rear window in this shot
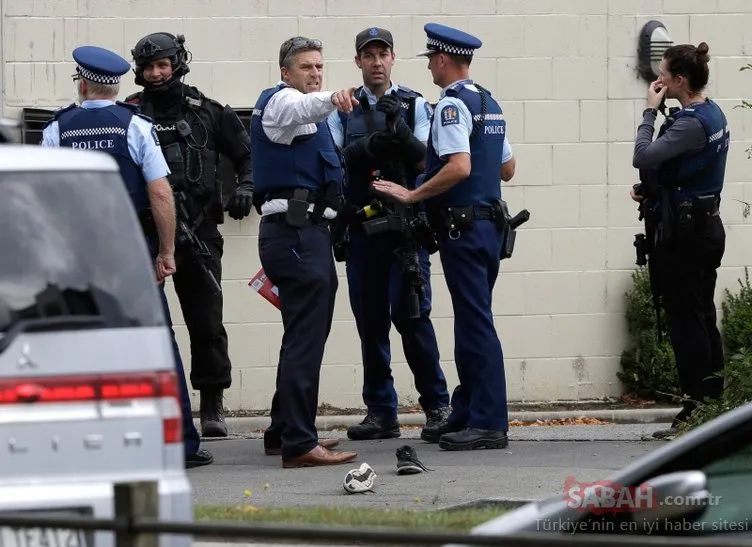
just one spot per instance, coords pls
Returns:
(71, 245)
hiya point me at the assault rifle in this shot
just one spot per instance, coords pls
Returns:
(189, 245)
(415, 232)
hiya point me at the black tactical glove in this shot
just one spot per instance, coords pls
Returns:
(240, 203)
(389, 105)
(402, 130)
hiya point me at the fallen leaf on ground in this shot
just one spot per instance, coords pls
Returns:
(561, 421)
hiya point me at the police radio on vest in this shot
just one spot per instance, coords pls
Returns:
(102, 144)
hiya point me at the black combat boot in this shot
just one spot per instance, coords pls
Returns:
(374, 427)
(202, 457)
(212, 414)
(676, 423)
(472, 438)
(436, 424)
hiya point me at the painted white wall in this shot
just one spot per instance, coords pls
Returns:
(565, 74)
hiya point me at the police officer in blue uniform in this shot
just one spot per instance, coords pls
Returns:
(682, 175)
(378, 285)
(467, 153)
(298, 189)
(102, 123)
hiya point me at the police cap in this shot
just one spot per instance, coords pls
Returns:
(99, 65)
(443, 39)
(373, 34)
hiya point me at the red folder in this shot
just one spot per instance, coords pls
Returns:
(262, 285)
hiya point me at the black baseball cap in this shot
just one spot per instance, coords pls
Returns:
(373, 34)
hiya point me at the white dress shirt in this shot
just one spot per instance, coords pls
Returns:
(289, 114)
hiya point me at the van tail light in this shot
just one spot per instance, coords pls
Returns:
(98, 388)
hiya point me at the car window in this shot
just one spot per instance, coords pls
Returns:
(71, 244)
(730, 485)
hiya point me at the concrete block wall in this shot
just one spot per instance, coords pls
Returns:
(565, 74)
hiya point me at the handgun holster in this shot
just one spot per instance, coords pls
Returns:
(297, 208)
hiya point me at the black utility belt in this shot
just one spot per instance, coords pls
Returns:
(283, 217)
(461, 218)
(699, 206)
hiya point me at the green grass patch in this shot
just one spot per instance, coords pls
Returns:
(456, 520)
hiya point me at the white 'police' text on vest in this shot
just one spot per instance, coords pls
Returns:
(101, 144)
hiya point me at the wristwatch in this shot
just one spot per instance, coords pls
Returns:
(653, 111)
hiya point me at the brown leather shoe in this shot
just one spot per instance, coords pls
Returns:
(320, 456)
(326, 443)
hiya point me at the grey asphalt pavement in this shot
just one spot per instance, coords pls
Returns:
(536, 464)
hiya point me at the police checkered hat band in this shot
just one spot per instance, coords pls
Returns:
(96, 76)
(438, 45)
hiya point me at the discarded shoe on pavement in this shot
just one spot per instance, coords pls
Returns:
(359, 480)
(408, 462)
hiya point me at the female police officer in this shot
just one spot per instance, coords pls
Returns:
(682, 173)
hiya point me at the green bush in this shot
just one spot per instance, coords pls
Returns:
(736, 323)
(648, 367)
(736, 327)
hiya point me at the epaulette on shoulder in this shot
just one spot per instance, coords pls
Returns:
(136, 109)
(59, 112)
(408, 92)
(196, 99)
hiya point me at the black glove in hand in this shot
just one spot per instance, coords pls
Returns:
(389, 105)
(240, 203)
(402, 130)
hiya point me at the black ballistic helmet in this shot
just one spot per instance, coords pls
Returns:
(160, 45)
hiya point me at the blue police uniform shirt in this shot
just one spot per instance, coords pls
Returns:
(142, 143)
(421, 130)
(452, 136)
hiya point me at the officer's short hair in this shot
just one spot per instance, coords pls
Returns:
(460, 60)
(295, 45)
(107, 90)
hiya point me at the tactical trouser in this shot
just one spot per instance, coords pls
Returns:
(203, 314)
(378, 299)
(687, 273)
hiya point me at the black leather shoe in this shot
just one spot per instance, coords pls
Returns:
(374, 427)
(471, 439)
(212, 414)
(437, 424)
(201, 457)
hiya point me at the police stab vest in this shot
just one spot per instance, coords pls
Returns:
(701, 173)
(310, 161)
(362, 121)
(483, 186)
(105, 129)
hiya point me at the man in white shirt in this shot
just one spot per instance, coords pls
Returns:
(298, 188)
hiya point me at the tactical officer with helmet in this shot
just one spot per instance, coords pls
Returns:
(194, 131)
(467, 155)
(682, 173)
(102, 123)
(385, 137)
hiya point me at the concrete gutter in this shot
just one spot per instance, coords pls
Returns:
(245, 425)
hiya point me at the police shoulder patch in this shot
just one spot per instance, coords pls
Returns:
(450, 115)
(154, 135)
